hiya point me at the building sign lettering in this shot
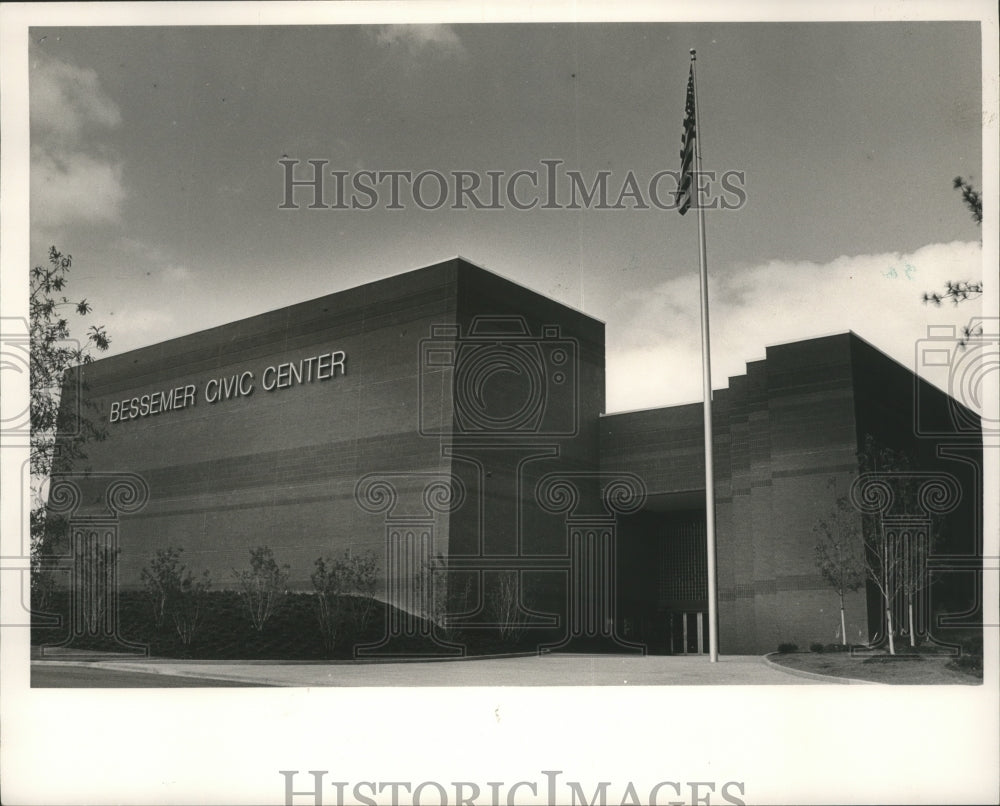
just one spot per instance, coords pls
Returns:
(240, 384)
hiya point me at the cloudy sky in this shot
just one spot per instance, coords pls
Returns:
(154, 162)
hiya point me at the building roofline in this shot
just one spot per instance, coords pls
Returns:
(458, 260)
(525, 287)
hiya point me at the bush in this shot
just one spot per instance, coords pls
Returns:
(788, 647)
(815, 646)
(968, 663)
(345, 596)
(264, 587)
(836, 648)
(174, 591)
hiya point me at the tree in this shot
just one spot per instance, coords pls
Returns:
(956, 292)
(839, 556)
(186, 608)
(971, 198)
(329, 584)
(962, 290)
(263, 587)
(94, 565)
(362, 577)
(175, 591)
(345, 594)
(896, 561)
(504, 602)
(53, 353)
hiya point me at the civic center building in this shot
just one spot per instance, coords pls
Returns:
(448, 417)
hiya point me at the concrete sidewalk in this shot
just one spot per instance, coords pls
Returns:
(545, 670)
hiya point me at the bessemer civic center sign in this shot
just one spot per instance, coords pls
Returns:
(321, 367)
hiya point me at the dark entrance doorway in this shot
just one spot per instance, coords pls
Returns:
(663, 581)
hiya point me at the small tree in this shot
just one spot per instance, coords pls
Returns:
(263, 587)
(329, 583)
(361, 578)
(839, 557)
(162, 579)
(174, 591)
(896, 563)
(94, 565)
(913, 577)
(443, 593)
(47, 531)
(503, 599)
(186, 607)
(345, 594)
(52, 353)
(430, 584)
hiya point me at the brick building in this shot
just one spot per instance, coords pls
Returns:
(449, 416)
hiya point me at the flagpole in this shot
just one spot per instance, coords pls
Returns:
(706, 363)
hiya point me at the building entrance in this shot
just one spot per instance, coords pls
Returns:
(662, 582)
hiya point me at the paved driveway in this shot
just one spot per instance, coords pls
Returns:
(547, 670)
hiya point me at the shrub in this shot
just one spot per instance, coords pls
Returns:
(362, 571)
(503, 602)
(788, 647)
(263, 587)
(836, 648)
(329, 583)
(185, 610)
(173, 590)
(345, 595)
(815, 646)
(968, 663)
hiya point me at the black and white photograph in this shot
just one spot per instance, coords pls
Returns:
(477, 403)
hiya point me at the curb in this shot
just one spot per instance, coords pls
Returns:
(165, 671)
(826, 678)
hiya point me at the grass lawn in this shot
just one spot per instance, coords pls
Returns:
(922, 670)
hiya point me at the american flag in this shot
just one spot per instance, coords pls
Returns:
(687, 149)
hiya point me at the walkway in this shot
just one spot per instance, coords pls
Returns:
(546, 670)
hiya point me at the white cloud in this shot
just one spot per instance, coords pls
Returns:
(70, 183)
(656, 358)
(65, 98)
(73, 187)
(420, 38)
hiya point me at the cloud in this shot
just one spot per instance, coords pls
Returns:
(421, 38)
(65, 98)
(71, 182)
(74, 187)
(655, 359)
